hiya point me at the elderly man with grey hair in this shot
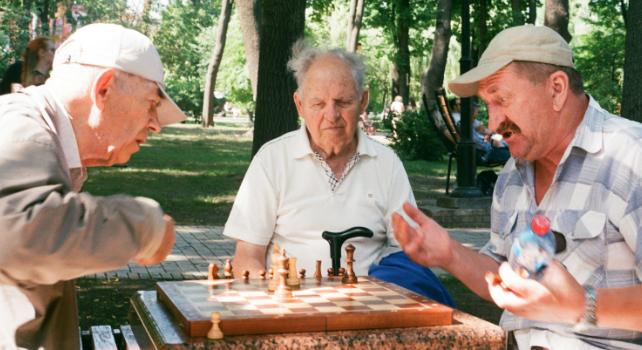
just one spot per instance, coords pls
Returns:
(326, 176)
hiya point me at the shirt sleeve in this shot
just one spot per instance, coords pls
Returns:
(399, 192)
(253, 215)
(631, 226)
(50, 233)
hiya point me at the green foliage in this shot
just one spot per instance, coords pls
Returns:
(415, 138)
(13, 35)
(599, 55)
(177, 40)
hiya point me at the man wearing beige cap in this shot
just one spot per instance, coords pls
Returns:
(575, 163)
(104, 96)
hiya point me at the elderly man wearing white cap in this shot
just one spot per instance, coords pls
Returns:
(104, 96)
(576, 163)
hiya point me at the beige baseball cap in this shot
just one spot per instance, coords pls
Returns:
(523, 43)
(114, 46)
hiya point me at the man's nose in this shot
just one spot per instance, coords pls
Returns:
(154, 124)
(332, 112)
(495, 117)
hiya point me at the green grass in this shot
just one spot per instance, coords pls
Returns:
(194, 174)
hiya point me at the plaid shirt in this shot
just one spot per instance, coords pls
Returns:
(595, 200)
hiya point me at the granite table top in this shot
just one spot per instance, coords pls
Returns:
(155, 328)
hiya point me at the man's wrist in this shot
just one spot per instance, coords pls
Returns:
(589, 316)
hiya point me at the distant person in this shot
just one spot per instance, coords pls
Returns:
(490, 146)
(397, 106)
(326, 176)
(104, 97)
(455, 109)
(37, 60)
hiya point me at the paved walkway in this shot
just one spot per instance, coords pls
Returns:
(197, 246)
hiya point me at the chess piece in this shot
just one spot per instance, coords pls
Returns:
(273, 268)
(212, 272)
(215, 331)
(330, 273)
(227, 272)
(302, 274)
(246, 276)
(317, 271)
(350, 277)
(342, 272)
(283, 291)
(262, 275)
(293, 278)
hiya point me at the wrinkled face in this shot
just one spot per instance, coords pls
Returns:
(520, 111)
(329, 103)
(129, 114)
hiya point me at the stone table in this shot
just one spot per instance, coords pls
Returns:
(155, 328)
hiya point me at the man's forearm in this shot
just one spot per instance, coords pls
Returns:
(469, 267)
(620, 308)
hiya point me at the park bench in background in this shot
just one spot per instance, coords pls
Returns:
(447, 130)
(108, 338)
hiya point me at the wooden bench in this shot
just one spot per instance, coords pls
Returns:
(108, 338)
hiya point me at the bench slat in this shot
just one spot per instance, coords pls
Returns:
(103, 338)
(130, 339)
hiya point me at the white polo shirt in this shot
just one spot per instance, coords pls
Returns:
(285, 197)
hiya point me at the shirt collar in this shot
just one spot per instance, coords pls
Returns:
(55, 112)
(303, 148)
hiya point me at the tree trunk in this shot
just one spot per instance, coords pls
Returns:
(249, 12)
(516, 9)
(556, 17)
(532, 11)
(482, 30)
(207, 117)
(354, 24)
(402, 55)
(434, 76)
(632, 90)
(282, 23)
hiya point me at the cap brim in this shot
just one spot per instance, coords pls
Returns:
(168, 111)
(466, 84)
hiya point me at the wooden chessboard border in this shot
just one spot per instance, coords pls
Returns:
(191, 320)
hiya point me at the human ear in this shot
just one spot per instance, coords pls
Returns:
(298, 103)
(102, 86)
(365, 98)
(559, 88)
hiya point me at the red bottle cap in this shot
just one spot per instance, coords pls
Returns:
(540, 225)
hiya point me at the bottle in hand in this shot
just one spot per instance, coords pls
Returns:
(533, 248)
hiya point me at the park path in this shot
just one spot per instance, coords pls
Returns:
(197, 246)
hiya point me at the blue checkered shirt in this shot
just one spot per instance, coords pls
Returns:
(595, 200)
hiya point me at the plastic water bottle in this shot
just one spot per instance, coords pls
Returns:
(533, 248)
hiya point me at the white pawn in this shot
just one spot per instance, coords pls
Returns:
(293, 278)
(215, 331)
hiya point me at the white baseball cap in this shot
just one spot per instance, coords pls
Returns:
(523, 43)
(114, 46)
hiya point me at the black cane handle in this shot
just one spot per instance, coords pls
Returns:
(336, 239)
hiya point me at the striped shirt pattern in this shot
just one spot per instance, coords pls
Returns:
(595, 200)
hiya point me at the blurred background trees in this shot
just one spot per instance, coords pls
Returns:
(410, 46)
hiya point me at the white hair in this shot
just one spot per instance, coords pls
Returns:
(303, 55)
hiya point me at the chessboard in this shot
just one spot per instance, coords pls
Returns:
(246, 307)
